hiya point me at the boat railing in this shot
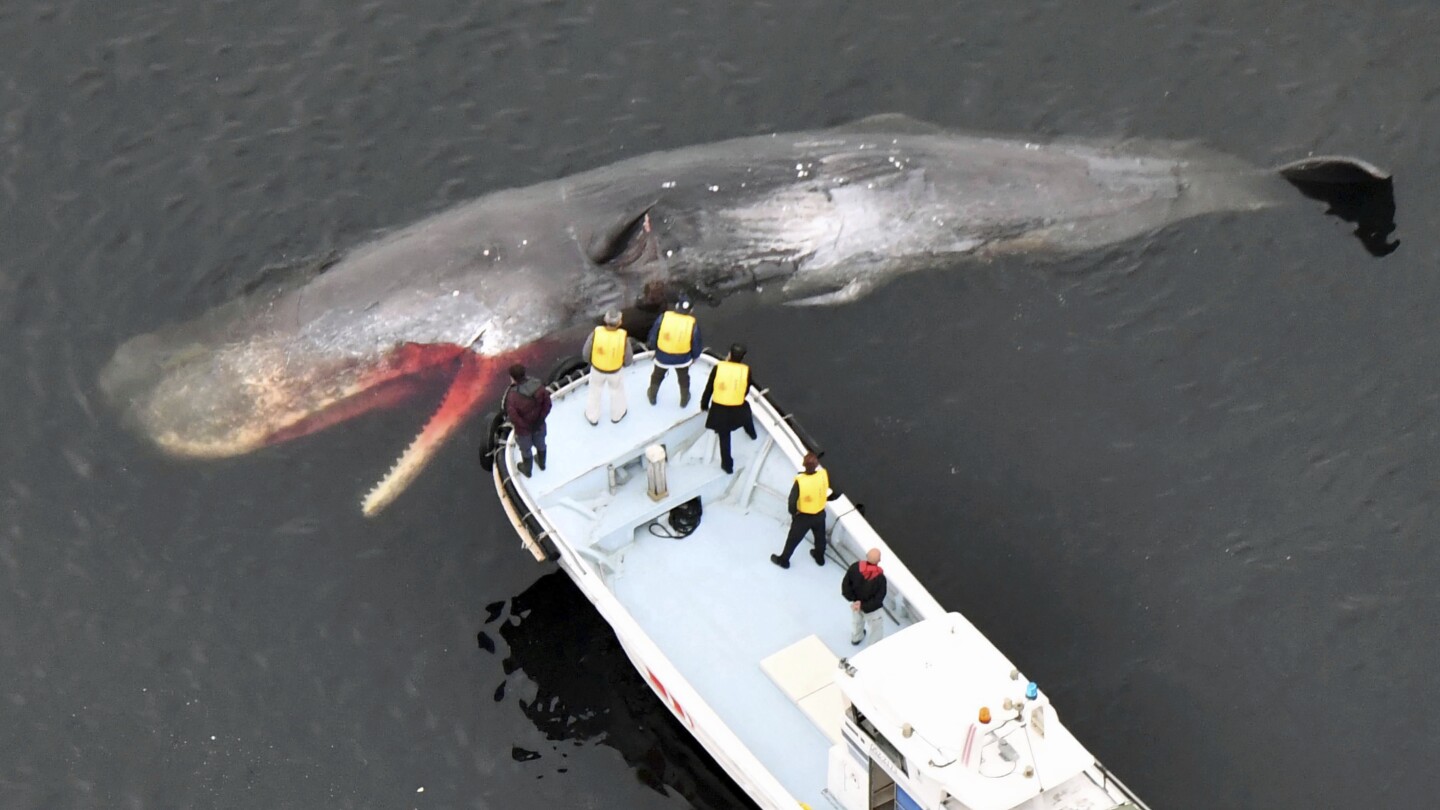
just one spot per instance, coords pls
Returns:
(536, 531)
(1108, 778)
(534, 534)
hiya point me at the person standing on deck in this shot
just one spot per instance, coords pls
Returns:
(675, 337)
(526, 404)
(724, 398)
(807, 511)
(607, 350)
(864, 587)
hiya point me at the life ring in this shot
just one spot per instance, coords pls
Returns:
(564, 368)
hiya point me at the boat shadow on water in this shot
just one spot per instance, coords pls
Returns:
(587, 692)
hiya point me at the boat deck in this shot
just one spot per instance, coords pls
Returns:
(712, 602)
(717, 607)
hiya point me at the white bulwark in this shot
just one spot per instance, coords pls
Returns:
(756, 661)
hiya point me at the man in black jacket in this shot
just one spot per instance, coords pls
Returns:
(864, 588)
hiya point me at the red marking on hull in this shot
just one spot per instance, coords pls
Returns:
(668, 698)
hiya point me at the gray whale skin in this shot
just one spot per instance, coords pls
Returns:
(820, 217)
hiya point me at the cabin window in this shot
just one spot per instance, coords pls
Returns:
(890, 751)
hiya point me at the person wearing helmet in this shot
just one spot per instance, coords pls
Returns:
(724, 399)
(675, 337)
(608, 351)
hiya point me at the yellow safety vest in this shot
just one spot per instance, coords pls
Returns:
(814, 488)
(675, 333)
(731, 380)
(607, 349)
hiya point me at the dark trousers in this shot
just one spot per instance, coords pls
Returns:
(799, 525)
(727, 461)
(682, 373)
(526, 440)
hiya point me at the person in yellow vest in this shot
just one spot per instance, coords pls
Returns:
(808, 496)
(675, 337)
(608, 351)
(724, 398)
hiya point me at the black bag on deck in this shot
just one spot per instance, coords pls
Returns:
(685, 518)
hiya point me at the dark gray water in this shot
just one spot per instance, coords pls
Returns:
(1189, 484)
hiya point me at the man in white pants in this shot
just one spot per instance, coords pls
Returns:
(864, 588)
(607, 349)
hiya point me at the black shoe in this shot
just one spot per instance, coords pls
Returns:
(818, 558)
(650, 394)
(728, 468)
(540, 459)
(524, 468)
(858, 641)
(780, 561)
(684, 397)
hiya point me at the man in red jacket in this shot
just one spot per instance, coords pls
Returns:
(527, 403)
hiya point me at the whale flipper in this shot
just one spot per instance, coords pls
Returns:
(610, 241)
(853, 291)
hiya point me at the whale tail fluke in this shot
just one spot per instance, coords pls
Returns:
(1355, 190)
(1333, 169)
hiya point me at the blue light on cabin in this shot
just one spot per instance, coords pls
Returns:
(904, 801)
(1032, 691)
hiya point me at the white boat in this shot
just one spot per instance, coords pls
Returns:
(756, 661)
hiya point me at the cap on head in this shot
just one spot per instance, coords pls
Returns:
(737, 351)
(811, 461)
(612, 317)
(517, 372)
(683, 305)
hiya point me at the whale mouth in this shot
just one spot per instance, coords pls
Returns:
(197, 403)
(468, 389)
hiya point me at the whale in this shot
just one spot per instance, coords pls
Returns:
(813, 218)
